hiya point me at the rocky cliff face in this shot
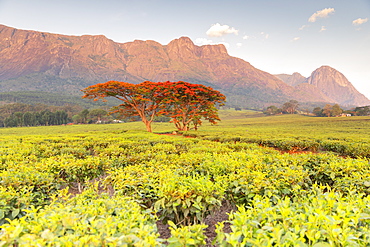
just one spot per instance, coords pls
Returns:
(327, 84)
(37, 61)
(292, 80)
(335, 85)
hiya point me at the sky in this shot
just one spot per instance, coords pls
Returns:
(276, 36)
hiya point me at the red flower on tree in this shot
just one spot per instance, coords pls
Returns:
(137, 99)
(184, 102)
(188, 103)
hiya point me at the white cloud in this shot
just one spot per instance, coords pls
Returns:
(323, 28)
(321, 14)
(296, 39)
(218, 30)
(245, 37)
(359, 21)
(204, 41)
(239, 45)
(303, 27)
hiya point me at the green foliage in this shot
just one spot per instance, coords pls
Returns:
(183, 180)
(77, 170)
(362, 111)
(14, 202)
(188, 200)
(345, 136)
(328, 111)
(186, 236)
(272, 110)
(316, 218)
(290, 107)
(44, 117)
(88, 219)
(41, 183)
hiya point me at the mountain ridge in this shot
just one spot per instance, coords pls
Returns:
(329, 83)
(42, 61)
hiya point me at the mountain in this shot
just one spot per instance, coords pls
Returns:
(39, 61)
(292, 80)
(336, 86)
(329, 84)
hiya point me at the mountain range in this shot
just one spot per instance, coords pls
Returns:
(55, 63)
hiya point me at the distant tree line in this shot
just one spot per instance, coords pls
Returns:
(289, 107)
(43, 118)
(328, 110)
(362, 111)
(19, 114)
(335, 110)
(92, 116)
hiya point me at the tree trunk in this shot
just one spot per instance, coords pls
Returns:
(148, 125)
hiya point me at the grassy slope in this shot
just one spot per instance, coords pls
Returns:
(295, 126)
(239, 123)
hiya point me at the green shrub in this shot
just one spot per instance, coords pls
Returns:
(85, 220)
(188, 200)
(186, 236)
(316, 218)
(14, 202)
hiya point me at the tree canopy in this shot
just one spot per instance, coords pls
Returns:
(185, 103)
(328, 111)
(188, 103)
(290, 107)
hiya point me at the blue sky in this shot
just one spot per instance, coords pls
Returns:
(277, 36)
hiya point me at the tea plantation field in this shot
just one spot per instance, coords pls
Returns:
(290, 180)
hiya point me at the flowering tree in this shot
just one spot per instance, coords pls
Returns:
(137, 100)
(184, 102)
(188, 103)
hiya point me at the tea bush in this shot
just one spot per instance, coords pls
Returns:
(321, 217)
(183, 180)
(88, 219)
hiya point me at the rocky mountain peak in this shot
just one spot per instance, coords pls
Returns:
(40, 61)
(336, 86)
(296, 74)
(182, 48)
(326, 74)
(292, 80)
(183, 41)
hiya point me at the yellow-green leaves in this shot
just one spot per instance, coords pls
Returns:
(320, 218)
(186, 236)
(182, 180)
(88, 219)
(188, 199)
